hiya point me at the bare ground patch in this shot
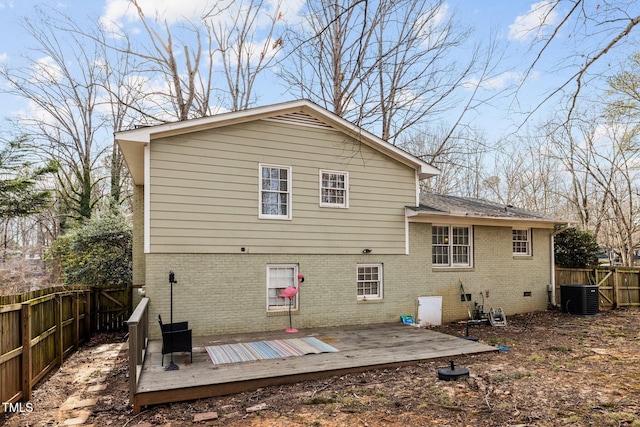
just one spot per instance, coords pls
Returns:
(558, 370)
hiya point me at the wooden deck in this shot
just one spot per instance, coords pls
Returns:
(360, 349)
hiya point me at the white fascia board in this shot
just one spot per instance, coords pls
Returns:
(467, 219)
(147, 134)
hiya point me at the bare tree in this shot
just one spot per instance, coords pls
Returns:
(176, 76)
(121, 91)
(606, 24)
(596, 149)
(601, 155)
(616, 172)
(568, 147)
(600, 158)
(525, 175)
(385, 65)
(328, 53)
(179, 61)
(459, 157)
(414, 76)
(62, 78)
(245, 55)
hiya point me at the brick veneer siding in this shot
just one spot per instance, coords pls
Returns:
(227, 293)
(497, 272)
(138, 241)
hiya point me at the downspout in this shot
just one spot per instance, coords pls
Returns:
(147, 199)
(552, 285)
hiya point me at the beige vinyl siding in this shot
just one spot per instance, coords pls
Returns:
(205, 192)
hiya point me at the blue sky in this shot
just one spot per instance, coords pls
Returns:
(509, 21)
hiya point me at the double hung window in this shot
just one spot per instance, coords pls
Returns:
(521, 241)
(451, 246)
(334, 189)
(275, 192)
(280, 277)
(369, 281)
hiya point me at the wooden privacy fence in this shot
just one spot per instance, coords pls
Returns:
(39, 329)
(618, 286)
(112, 308)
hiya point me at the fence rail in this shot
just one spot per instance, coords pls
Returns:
(618, 286)
(138, 339)
(39, 329)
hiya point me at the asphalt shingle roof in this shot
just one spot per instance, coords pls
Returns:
(438, 203)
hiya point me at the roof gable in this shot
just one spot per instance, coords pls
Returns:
(298, 113)
(301, 119)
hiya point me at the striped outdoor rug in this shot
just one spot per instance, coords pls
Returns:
(260, 350)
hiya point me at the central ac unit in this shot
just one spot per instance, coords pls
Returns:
(579, 299)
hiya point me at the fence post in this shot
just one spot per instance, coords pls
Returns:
(87, 313)
(95, 321)
(134, 352)
(137, 324)
(26, 351)
(616, 302)
(59, 337)
(77, 314)
(129, 298)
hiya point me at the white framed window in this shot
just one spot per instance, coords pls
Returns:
(275, 192)
(334, 189)
(280, 277)
(521, 241)
(369, 281)
(451, 246)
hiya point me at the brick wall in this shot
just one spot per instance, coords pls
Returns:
(226, 293)
(498, 279)
(138, 241)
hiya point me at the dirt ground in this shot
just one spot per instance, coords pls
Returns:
(555, 370)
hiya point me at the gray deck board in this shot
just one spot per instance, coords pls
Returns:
(360, 348)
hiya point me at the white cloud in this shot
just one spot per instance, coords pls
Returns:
(290, 11)
(605, 138)
(3, 57)
(499, 82)
(432, 25)
(121, 12)
(171, 11)
(258, 50)
(47, 70)
(226, 13)
(33, 113)
(531, 26)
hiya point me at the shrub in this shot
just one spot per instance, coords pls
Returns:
(575, 248)
(96, 253)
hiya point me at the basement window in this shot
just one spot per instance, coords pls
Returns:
(280, 277)
(369, 281)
